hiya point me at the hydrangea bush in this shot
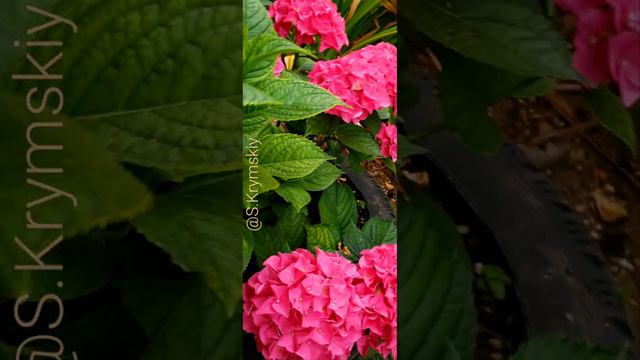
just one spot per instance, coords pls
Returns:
(320, 100)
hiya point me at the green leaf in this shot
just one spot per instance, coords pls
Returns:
(197, 225)
(135, 55)
(407, 148)
(497, 280)
(356, 241)
(357, 138)
(534, 87)
(465, 103)
(300, 99)
(262, 53)
(560, 349)
(98, 191)
(338, 206)
(436, 315)
(512, 35)
(267, 242)
(290, 156)
(321, 125)
(186, 320)
(247, 247)
(325, 237)
(297, 196)
(256, 18)
(183, 140)
(253, 98)
(256, 126)
(291, 225)
(381, 231)
(320, 179)
(156, 84)
(613, 116)
(255, 178)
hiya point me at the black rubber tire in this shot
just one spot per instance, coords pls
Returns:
(559, 274)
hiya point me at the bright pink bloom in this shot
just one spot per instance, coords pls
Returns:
(279, 68)
(607, 43)
(576, 7)
(591, 58)
(388, 138)
(310, 18)
(624, 60)
(627, 14)
(301, 307)
(365, 79)
(378, 289)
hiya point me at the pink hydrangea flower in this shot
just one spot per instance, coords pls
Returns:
(576, 7)
(624, 62)
(301, 307)
(591, 58)
(388, 138)
(607, 43)
(310, 18)
(365, 79)
(378, 289)
(279, 68)
(627, 14)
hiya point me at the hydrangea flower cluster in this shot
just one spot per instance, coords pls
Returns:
(607, 43)
(378, 290)
(365, 79)
(279, 68)
(304, 307)
(301, 307)
(308, 19)
(388, 138)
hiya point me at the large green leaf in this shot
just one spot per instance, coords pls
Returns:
(262, 52)
(300, 99)
(290, 226)
(320, 179)
(514, 35)
(338, 206)
(98, 192)
(436, 314)
(321, 125)
(133, 55)
(290, 156)
(183, 140)
(355, 241)
(256, 18)
(325, 237)
(381, 231)
(297, 196)
(357, 138)
(247, 247)
(197, 226)
(612, 114)
(560, 349)
(468, 88)
(140, 70)
(253, 99)
(183, 320)
(267, 241)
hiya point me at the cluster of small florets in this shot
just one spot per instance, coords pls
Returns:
(388, 138)
(366, 80)
(309, 19)
(306, 307)
(607, 43)
(378, 288)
